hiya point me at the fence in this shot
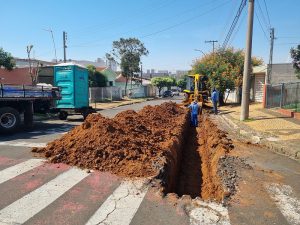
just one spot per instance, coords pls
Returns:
(101, 94)
(286, 95)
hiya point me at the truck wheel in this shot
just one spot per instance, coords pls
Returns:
(63, 115)
(86, 112)
(9, 120)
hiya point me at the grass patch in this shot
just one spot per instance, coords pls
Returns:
(295, 107)
(249, 120)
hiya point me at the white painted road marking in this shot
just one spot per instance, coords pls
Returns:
(18, 169)
(288, 205)
(208, 213)
(22, 144)
(121, 206)
(26, 207)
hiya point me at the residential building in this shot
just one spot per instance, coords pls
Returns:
(109, 74)
(281, 73)
(24, 63)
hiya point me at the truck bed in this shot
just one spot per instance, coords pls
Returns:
(26, 92)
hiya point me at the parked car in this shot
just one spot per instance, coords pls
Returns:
(168, 93)
(175, 92)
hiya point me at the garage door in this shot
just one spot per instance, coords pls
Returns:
(259, 87)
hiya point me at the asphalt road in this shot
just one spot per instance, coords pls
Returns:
(35, 192)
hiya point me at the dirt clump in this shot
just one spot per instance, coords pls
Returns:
(132, 144)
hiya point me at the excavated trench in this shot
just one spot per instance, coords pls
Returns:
(197, 171)
(189, 178)
(156, 142)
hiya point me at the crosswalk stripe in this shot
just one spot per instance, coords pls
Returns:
(121, 206)
(26, 207)
(23, 144)
(284, 200)
(18, 169)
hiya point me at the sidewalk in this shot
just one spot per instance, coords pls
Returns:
(266, 127)
(113, 104)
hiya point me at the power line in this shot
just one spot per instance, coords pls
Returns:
(237, 30)
(230, 17)
(153, 23)
(263, 16)
(233, 25)
(185, 21)
(267, 13)
(289, 43)
(146, 10)
(263, 30)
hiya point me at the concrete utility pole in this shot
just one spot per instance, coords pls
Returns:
(269, 69)
(213, 44)
(141, 73)
(64, 45)
(247, 64)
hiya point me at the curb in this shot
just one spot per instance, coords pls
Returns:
(270, 142)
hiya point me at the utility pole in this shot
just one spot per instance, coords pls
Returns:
(141, 73)
(269, 69)
(64, 45)
(247, 64)
(213, 44)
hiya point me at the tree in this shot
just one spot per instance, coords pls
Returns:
(96, 79)
(6, 60)
(295, 54)
(128, 53)
(161, 82)
(223, 69)
(182, 82)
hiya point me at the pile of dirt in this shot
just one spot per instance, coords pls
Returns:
(214, 147)
(132, 144)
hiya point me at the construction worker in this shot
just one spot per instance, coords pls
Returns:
(214, 99)
(195, 110)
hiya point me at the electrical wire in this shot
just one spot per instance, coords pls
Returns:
(267, 13)
(186, 21)
(263, 16)
(234, 23)
(237, 30)
(261, 26)
(162, 30)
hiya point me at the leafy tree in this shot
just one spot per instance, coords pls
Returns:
(295, 54)
(6, 60)
(182, 82)
(223, 69)
(128, 53)
(96, 79)
(161, 82)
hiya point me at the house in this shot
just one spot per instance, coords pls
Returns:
(109, 74)
(17, 76)
(257, 82)
(137, 87)
(280, 73)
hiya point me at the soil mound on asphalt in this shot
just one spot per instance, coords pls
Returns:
(133, 144)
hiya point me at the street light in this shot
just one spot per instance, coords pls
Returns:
(49, 30)
(198, 50)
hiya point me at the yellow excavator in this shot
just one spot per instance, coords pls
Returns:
(198, 90)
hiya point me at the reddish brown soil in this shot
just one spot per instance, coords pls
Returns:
(214, 145)
(131, 144)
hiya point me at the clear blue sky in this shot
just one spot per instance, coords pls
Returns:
(170, 29)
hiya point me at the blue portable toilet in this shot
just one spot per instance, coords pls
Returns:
(73, 81)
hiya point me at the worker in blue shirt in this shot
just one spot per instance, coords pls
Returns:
(215, 99)
(195, 110)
